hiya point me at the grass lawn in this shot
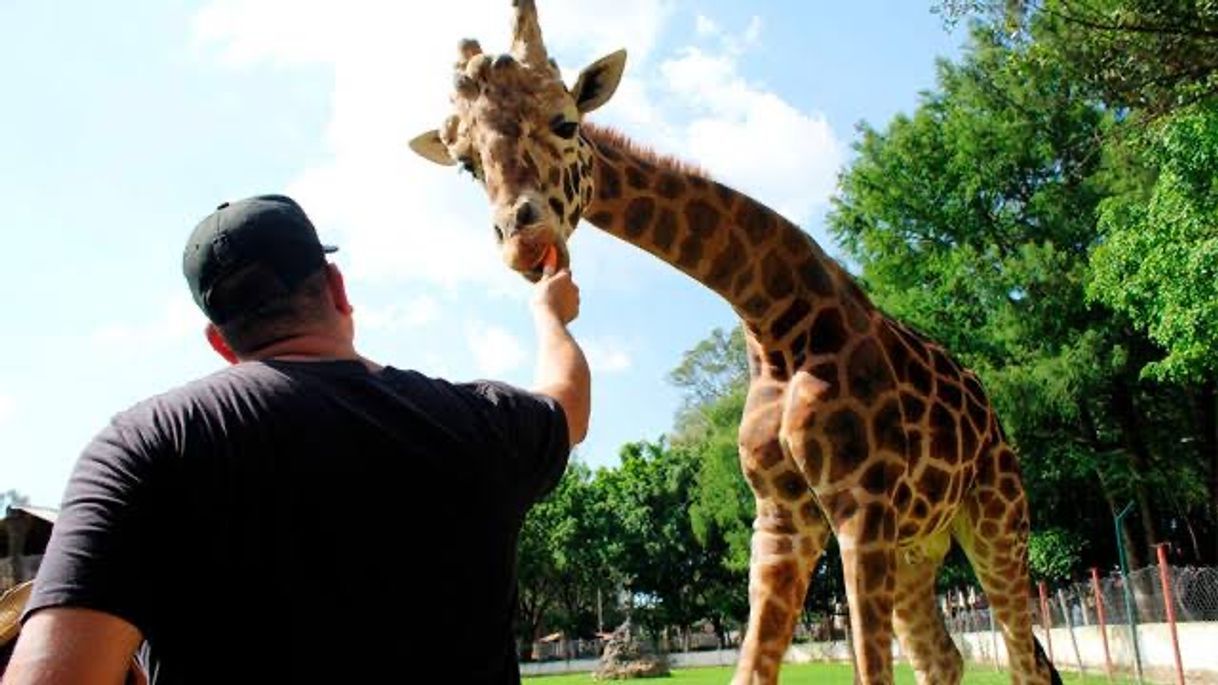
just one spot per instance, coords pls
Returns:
(807, 674)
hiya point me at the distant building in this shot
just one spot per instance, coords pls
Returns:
(23, 539)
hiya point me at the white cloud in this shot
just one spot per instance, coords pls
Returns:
(750, 137)
(179, 318)
(8, 407)
(496, 351)
(606, 355)
(705, 26)
(415, 313)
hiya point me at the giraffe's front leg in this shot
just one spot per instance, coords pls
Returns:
(789, 535)
(868, 545)
(785, 551)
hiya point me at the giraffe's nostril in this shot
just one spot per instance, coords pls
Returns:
(498, 233)
(526, 215)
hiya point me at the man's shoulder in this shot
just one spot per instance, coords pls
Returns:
(232, 377)
(207, 394)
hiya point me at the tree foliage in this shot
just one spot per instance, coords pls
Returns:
(1054, 554)
(1152, 56)
(1158, 264)
(12, 498)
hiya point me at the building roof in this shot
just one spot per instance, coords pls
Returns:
(48, 515)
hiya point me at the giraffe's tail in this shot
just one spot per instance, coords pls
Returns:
(1054, 677)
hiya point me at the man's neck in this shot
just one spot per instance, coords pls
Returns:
(309, 348)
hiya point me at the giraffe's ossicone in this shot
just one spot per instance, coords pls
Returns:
(855, 425)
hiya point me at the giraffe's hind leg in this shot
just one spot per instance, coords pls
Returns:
(917, 620)
(992, 528)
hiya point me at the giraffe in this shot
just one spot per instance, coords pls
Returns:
(854, 426)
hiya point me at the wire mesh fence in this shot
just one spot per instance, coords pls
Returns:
(1159, 624)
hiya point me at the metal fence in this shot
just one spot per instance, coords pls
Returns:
(1147, 625)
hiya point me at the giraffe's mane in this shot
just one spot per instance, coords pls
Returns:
(613, 138)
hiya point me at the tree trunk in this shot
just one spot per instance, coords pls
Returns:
(1113, 510)
(1130, 422)
(1207, 424)
(1126, 532)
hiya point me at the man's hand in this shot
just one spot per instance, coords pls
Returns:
(557, 294)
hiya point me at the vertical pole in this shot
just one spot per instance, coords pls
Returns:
(1061, 599)
(1099, 613)
(1130, 610)
(1045, 619)
(1170, 605)
(994, 638)
(600, 614)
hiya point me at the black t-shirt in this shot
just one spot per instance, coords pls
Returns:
(310, 521)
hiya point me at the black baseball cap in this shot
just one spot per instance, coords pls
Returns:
(267, 240)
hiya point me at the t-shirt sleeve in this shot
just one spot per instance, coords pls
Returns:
(99, 556)
(532, 430)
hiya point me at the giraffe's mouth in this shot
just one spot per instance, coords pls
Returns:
(537, 269)
(526, 249)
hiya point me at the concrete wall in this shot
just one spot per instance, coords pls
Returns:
(1198, 649)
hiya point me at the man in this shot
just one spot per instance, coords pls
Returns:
(305, 515)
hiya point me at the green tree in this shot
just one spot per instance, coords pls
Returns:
(1150, 55)
(1158, 264)
(565, 559)
(1055, 554)
(715, 368)
(673, 578)
(1159, 261)
(12, 498)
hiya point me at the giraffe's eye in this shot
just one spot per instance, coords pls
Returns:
(565, 129)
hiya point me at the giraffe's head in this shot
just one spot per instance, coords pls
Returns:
(515, 129)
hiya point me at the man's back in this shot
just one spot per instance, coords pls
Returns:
(308, 521)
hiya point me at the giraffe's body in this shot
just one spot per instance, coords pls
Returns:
(854, 425)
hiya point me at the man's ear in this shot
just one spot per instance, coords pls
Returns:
(599, 81)
(430, 147)
(338, 289)
(219, 344)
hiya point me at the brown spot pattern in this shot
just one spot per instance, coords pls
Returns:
(639, 214)
(793, 314)
(847, 435)
(828, 333)
(867, 373)
(666, 229)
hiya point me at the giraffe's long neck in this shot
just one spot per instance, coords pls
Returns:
(771, 272)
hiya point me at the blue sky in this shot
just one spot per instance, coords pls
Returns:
(123, 124)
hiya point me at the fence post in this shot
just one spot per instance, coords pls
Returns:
(1170, 605)
(1099, 613)
(993, 637)
(1046, 619)
(1083, 607)
(1131, 612)
(1061, 599)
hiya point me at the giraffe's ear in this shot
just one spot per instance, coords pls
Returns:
(598, 82)
(430, 147)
